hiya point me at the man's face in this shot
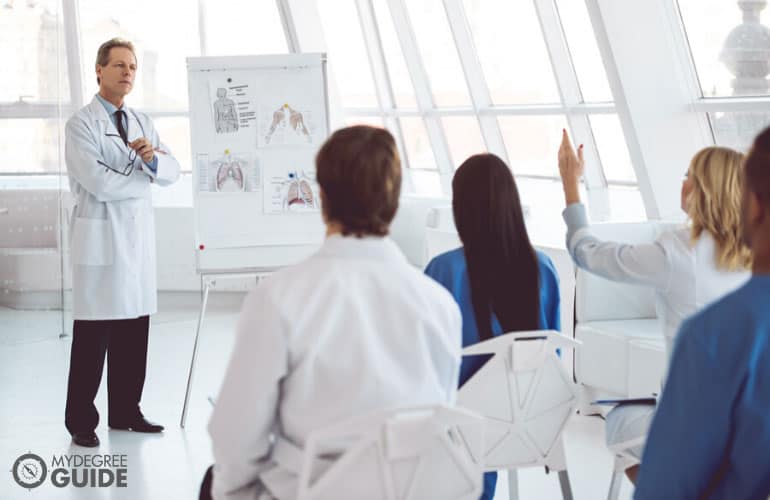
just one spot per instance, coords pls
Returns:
(117, 77)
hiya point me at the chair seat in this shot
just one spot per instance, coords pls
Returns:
(612, 355)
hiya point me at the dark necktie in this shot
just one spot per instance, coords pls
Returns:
(120, 115)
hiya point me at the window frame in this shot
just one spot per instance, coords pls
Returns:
(572, 106)
(70, 17)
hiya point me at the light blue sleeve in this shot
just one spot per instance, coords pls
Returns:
(641, 264)
(689, 435)
(153, 165)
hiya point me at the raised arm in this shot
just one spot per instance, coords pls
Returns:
(643, 264)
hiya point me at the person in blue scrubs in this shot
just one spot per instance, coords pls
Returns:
(711, 435)
(501, 283)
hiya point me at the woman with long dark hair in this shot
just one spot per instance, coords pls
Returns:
(501, 283)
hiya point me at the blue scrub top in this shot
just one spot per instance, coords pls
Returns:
(710, 437)
(451, 270)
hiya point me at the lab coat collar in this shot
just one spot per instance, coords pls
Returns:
(108, 106)
(368, 247)
(99, 112)
(98, 108)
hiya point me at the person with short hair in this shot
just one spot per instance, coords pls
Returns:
(350, 330)
(711, 434)
(113, 155)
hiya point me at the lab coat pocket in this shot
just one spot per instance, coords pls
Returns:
(91, 242)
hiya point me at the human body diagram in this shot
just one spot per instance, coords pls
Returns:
(286, 115)
(225, 114)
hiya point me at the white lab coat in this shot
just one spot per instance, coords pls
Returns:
(112, 230)
(352, 329)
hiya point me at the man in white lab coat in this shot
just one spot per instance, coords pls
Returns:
(113, 156)
(351, 330)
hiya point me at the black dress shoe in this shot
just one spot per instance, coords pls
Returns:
(140, 424)
(87, 439)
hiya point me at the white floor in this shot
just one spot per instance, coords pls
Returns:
(33, 377)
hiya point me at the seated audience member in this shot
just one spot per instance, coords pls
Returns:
(689, 267)
(351, 330)
(500, 282)
(710, 437)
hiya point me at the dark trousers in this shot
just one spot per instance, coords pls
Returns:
(125, 343)
(208, 478)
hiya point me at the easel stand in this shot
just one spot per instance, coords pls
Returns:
(209, 281)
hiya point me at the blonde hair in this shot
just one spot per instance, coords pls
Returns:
(714, 205)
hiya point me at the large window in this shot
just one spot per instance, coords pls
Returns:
(33, 86)
(730, 47)
(37, 36)
(513, 76)
(449, 78)
(161, 80)
(30, 38)
(452, 78)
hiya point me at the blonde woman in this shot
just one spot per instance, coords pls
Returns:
(689, 267)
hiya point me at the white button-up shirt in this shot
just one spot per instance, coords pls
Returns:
(351, 330)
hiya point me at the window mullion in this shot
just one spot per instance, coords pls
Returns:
(21, 110)
(423, 94)
(569, 90)
(289, 27)
(70, 19)
(474, 77)
(382, 82)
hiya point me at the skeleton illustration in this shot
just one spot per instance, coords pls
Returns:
(296, 122)
(230, 175)
(225, 115)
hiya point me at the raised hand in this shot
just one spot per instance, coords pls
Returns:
(571, 167)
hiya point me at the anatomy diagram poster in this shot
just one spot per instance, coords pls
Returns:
(290, 185)
(233, 110)
(228, 172)
(289, 110)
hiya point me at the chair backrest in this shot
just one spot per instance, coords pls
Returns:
(440, 232)
(407, 454)
(525, 395)
(598, 299)
(409, 226)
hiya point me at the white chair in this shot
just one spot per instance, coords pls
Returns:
(623, 460)
(410, 454)
(623, 353)
(526, 397)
